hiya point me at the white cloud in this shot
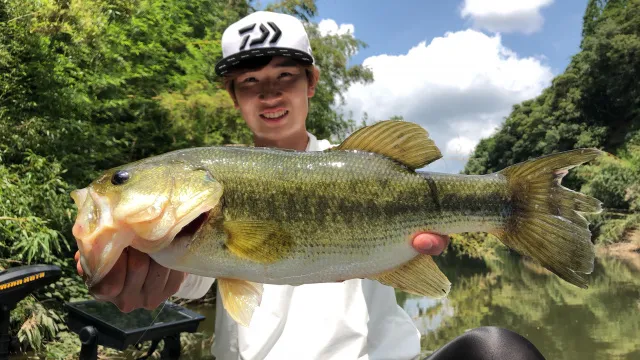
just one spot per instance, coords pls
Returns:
(461, 144)
(505, 15)
(459, 87)
(330, 27)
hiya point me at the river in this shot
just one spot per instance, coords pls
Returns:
(563, 321)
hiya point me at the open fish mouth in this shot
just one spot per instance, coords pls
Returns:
(193, 227)
(101, 236)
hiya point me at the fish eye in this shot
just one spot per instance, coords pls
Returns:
(120, 177)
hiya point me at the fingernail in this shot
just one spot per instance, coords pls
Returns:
(427, 245)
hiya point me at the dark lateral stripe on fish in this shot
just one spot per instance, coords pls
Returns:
(433, 191)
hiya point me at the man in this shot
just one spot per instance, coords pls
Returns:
(269, 72)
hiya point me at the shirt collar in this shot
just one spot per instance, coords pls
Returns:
(312, 145)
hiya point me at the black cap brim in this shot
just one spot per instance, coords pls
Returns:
(239, 59)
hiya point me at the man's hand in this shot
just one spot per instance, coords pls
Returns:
(136, 281)
(430, 243)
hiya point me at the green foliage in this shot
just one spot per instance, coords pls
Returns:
(86, 82)
(303, 9)
(611, 179)
(33, 210)
(332, 53)
(35, 323)
(88, 85)
(475, 245)
(591, 16)
(66, 347)
(594, 103)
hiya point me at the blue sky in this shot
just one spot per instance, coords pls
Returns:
(392, 27)
(455, 67)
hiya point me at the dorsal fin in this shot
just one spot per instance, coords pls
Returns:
(403, 141)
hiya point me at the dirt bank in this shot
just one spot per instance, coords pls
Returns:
(628, 251)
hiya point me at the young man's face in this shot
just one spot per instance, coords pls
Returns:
(274, 99)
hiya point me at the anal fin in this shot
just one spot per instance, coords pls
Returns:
(240, 298)
(419, 276)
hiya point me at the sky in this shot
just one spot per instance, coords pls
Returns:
(456, 67)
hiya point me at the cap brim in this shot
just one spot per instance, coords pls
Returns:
(231, 62)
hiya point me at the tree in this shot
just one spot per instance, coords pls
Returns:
(88, 85)
(594, 103)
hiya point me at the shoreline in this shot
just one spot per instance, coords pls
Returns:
(627, 251)
(629, 247)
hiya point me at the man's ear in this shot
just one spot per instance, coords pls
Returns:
(229, 85)
(313, 81)
(234, 99)
(235, 102)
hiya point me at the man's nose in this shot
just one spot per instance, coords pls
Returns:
(269, 90)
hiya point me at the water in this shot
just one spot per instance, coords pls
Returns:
(564, 322)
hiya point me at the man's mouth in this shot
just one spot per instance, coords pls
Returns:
(274, 115)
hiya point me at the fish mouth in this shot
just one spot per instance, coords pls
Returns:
(190, 230)
(101, 238)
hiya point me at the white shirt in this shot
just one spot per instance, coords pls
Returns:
(354, 319)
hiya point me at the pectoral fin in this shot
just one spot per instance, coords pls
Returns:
(420, 276)
(240, 298)
(260, 241)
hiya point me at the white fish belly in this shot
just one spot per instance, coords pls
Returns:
(295, 270)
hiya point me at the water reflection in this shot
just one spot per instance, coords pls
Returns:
(428, 314)
(564, 322)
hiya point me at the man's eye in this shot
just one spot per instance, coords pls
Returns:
(285, 74)
(249, 79)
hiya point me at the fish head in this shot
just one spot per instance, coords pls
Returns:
(144, 205)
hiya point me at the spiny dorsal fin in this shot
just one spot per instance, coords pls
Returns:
(240, 298)
(419, 276)
(260, 241)
(402, 141)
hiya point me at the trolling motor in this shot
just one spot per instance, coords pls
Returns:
(97, 323)
(102, 323)
(15, 284)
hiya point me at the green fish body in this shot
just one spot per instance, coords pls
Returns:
(326, 216)
(248, 216)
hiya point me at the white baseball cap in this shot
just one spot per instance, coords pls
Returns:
(264, 34)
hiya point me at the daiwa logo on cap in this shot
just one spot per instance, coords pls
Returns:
(261, 34)
(265, 33)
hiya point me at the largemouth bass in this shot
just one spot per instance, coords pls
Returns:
(248, 216)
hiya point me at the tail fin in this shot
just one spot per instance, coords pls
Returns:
(545, 222)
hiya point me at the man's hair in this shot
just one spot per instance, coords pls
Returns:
(257, 64)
